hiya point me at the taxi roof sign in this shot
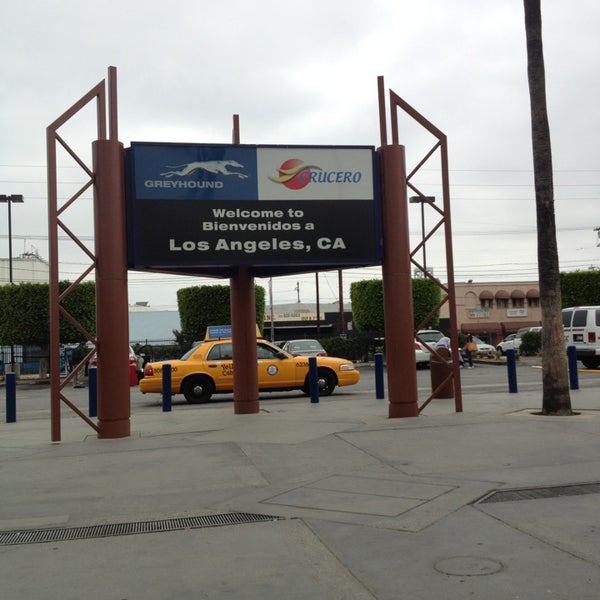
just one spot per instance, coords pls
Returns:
(217, 332)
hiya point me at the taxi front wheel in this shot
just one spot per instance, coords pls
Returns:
(326, 381)
(198, 389)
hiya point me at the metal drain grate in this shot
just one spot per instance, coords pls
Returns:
(544, 492)
(62, 534)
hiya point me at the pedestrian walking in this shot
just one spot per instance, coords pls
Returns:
(470, 349)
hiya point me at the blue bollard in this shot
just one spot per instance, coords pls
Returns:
(313, 378)
(379, 387)
(92, 391)
(511, 366)
(573, 374)
(11, 398)
(166, 387)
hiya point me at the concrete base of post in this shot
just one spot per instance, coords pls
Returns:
(246, 408)
(114, 429)
(400, 410)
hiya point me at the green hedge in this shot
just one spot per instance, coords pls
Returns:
(531, 343)
(580, 288)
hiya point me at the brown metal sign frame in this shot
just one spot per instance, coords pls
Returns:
(448, 293)
(106, 179)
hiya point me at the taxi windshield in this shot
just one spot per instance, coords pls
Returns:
(189, 352)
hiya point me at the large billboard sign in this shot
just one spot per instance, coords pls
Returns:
(208, 209)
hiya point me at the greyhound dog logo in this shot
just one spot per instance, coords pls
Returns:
(218, 167)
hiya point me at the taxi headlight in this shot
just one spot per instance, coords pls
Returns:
(347, 367)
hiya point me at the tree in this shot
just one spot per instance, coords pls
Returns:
(580, 288)
(367, 303)
(426, 294)
(80, 304)
(366, 298)
(556, 399)
(204, 305)
(24, 313)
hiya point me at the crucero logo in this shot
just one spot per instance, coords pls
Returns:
(295, 174)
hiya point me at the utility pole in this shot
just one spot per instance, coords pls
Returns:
(272, 313)
(10, 200)
(342, 322)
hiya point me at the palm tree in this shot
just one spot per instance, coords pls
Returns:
(556, 398)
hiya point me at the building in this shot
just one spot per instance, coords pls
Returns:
(28, 267)
(154, 326)
(300, 320)
(493, 310)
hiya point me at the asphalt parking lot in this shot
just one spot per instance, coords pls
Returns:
(301, 500)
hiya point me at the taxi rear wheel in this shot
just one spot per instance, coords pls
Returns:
(198, 389)
(326, 380)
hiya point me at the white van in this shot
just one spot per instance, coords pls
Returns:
(582, 330)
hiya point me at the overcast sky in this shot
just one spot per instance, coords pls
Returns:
(307, 74)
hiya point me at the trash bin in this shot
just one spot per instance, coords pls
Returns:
(440, 369)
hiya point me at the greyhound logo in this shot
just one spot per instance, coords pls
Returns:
(218, 167)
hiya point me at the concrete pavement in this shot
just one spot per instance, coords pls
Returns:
(321, 501)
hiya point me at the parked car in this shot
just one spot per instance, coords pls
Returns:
(582, 330)
(422, 355)
(207, 369)
(508, 343)
(135, 365)
(304, 348)
(429, 336)
(483, 349)
(514, 340)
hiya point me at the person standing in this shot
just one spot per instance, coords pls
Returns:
(444, 343)
(77, 357)
(470, 348)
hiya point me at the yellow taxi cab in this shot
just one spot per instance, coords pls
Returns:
(207, 369)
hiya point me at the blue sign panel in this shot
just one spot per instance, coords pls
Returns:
(276, 209)
(175, 172)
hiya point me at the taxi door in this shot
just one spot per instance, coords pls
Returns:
(274, 371)
(219, 364)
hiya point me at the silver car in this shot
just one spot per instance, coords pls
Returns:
(304, 348)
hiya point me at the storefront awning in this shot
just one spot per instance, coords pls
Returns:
(481, 328)
(514, 326)
(502, 295)
(533, 294)
(486, 295)
(517, 294)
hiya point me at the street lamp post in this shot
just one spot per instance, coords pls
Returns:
(422, 200)
(9, 200)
